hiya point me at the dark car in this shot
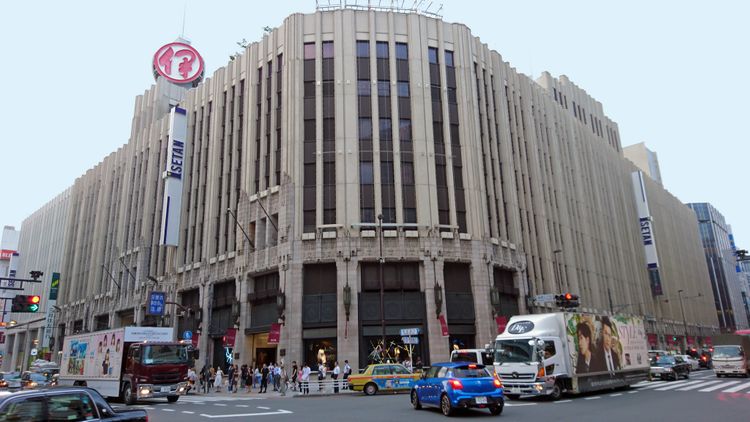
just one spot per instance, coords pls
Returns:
(458, 385)
(62, 404)
(669, 368)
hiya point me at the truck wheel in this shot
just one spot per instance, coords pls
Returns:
(172, 399)
(556, 392)
(127, 394)
(513, 396)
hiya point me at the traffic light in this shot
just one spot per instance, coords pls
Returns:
(25, 303)
(566, 300)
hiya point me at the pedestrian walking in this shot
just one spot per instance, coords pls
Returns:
(192, 378)
(243, 377)
(305, 385)
(295, 375)
(277, 378)
(284, 380)
(271, 373)
(211, 379)
(321, 376)
(264, 379)
(335, 376)
(347, 372)
(219, 379)
(230, 378)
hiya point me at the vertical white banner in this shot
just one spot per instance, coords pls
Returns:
(176, 153)
(647, 233)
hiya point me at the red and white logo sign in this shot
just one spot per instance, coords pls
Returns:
(6, 254)
(178, 62)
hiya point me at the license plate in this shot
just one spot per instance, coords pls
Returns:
(481, 400)
(165, 389)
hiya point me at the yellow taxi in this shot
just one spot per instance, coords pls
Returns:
(383, 377)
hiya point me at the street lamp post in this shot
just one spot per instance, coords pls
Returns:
(684, 322)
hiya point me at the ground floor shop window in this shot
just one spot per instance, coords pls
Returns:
(462, 342)
(321, 350)
(394, 351)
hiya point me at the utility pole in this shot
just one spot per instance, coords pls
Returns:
(684, 322)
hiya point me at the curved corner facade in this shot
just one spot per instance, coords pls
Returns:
(356, 173)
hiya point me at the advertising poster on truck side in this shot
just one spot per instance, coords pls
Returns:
(93, 356)
(615, 346)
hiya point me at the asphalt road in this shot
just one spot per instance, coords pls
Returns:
(703, 397)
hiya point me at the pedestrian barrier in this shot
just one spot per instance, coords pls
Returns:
(321, 387)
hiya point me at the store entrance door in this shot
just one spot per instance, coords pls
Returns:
(265, 355)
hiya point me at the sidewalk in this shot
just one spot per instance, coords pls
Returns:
(317, 389)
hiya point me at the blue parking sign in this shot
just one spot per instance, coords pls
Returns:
(156, 303)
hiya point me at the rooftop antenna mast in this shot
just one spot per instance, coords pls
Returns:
(184, 13)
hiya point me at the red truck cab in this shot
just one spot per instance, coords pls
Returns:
(153, 370)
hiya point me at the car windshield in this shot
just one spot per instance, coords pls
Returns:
(38, 377)
(665, 360)
(469, 372)
(164, 353)
(509, 351)
(727, 352)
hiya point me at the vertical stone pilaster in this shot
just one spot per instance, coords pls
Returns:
(291, 333)
(480, 290)
(347, 332)
(438, 345)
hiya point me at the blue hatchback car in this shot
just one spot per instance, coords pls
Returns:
(458, 385)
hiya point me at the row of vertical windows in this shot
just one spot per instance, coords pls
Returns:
(408, 191)
(458, 181)
(387, 179)
(364, 100)
(329, 136)
(309, 140)
(441, 182)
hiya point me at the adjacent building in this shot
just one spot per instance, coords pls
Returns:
(644, 159)
(357, 173)
(729, 290)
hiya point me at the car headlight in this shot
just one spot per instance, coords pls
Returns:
(33, 384)
(667, 369)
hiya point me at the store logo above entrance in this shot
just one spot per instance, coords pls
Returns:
(520, 327)
(179, 63)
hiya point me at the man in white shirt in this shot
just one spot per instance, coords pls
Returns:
(347, 372)
(306, 379)
(336, 372)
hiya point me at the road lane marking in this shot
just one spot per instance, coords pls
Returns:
(615, 395)
(240, 415)
(264, 408)
(241, 405)
(737, 388)
(520, 404)
(675, 385)
(716, 387)
(168, 410)
(188, 412)
(562, 401)
(592, 398)
(693, 387)
(632, 392)
(148, 407)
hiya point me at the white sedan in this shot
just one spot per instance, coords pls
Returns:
(694, 363)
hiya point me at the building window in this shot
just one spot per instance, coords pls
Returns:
(364, 100)
(309, 193)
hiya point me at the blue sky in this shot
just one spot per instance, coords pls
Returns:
(669, 72)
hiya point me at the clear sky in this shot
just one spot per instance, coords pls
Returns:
(667, 71)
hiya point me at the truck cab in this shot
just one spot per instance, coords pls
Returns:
(153, 370)
(530, 355)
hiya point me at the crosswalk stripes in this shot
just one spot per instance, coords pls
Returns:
(654, 384)
(693, 387)
(675, 385)
(737, 388)
(716, 387)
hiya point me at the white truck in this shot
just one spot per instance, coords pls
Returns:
(549, 354)
(130, 363)
(731, 355)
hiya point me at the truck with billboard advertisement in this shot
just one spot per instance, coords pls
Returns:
(731, 355)
(130, 363)
(566, 352)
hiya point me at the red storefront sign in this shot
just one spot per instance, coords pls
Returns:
(501, 322)
(275, 334)
(229, 337)
(669, 339)
(443, 326)
(196, 337)
(708, 341)
(5, 254)
(691, 340)
(653, 339)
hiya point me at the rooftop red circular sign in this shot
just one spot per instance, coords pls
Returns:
(178, 62)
